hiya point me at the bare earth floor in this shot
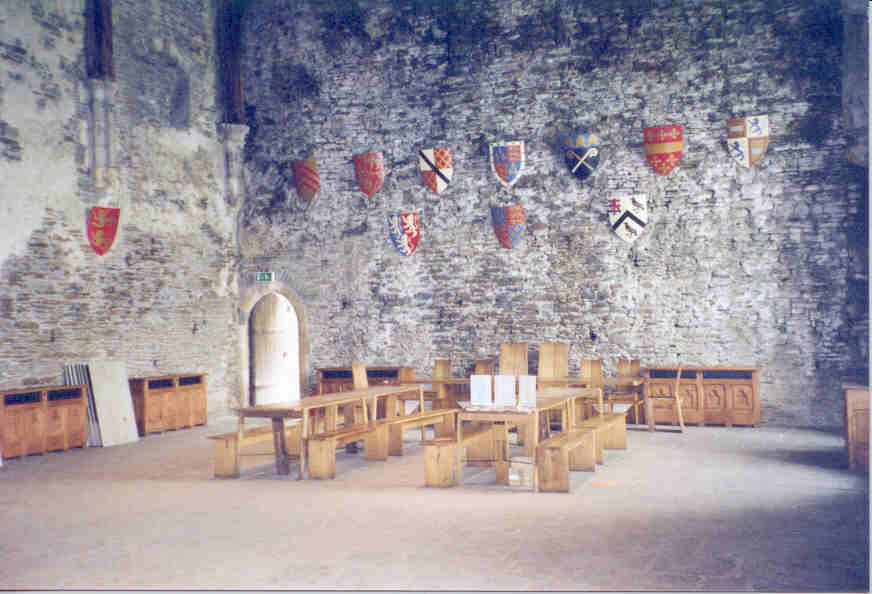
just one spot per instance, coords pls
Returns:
(714, 508)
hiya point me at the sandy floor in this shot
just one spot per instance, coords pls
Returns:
(710, 509)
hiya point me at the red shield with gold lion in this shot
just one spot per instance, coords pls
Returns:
(102, 227)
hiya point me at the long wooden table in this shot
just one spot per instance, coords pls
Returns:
(606, 382)
(561, 399)
(367, 398)
(442, 399)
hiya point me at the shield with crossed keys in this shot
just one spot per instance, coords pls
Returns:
(581, 151)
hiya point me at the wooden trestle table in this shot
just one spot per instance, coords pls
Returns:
(442, 400)
(610, 382)
(367, 398)
(562, 399)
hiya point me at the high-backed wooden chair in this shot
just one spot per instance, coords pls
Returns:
(513, 359)
(443, 395)
(627, 393)
(484, 367)
(553, 360)
(590, 370)
(553, 363)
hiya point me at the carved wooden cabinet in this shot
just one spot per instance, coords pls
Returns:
(339, 379)
(168, 402)
(43, 419)
(857, 425)
(709, 395)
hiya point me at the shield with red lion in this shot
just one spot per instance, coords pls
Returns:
(102, 227)
(663, 147)
(369, 170)
(405, 231)
(306, 179)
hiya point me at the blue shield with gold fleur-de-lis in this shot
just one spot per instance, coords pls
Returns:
(509, 223)
(581, 151)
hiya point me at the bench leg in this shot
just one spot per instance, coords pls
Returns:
(446, 428)
(282, 466)
(553, 467)
(599, 440)
(395, 440)
(322, 458)
(226, 459)
(481, 451)
(439, 461)
(616, 436)
(583, 456)
(375, 445)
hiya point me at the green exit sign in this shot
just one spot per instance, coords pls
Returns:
(263, 277)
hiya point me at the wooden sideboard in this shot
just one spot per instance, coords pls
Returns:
(42, 419)
(857, 424)
(168, 402)
(709, 395)
(339, 379)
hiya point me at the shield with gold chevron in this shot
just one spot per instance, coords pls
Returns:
(369, 170)
(405, 231)
(509, 223)
(307, 180)
(102, 228)
(436, 168)
(747, 139)
(581, 152)
(507, 160)
(628, 215)
(663, 147)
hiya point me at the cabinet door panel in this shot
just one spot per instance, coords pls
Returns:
(55, 436)
(740, 402)
(715, 402)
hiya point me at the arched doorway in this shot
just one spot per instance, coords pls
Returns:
(274, 351)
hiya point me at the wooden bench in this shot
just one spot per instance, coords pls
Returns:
(388, 437)
(322, 448)
(610, 431)
(440, 453)
(568, 450)
(227, 449)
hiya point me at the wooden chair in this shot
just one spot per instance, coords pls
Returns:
(513, 359)
(590, 370)
(442, 394)
(628, 394)
(484, 367)
(553, 363)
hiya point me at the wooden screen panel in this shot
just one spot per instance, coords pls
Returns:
(741, 404)
(691, 407)
(715, 403)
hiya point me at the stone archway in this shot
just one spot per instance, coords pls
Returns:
(273, 357)
(249, 298)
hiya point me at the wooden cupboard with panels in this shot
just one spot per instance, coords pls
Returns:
(168, 402)
(709, 395)
(42, 419)
(857, 425)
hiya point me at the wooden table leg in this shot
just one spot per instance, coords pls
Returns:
(304, 443)
(534, 437)
(458, 453)
(282, 466)
(240, 431)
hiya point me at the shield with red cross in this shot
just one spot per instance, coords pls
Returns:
(507, 160)
(102, 228)
(436, 168)
(405, 231)
(369, 170)
(663, 147)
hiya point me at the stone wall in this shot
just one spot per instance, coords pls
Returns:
(762, 266)
(163, 299)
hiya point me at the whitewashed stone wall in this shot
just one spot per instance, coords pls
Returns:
(765, 266)
(163, 299)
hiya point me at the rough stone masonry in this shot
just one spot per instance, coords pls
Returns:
(762, 266)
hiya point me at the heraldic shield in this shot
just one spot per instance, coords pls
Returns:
(405, 231)
(663, 147)
(747, 139)
(436, 168)
(507, 160)
(102, 228)
(628, 216)
(509, 223)
(369, 170)
(306, 179)
(581, 152)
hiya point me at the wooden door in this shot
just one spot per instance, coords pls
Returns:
(274, 348)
